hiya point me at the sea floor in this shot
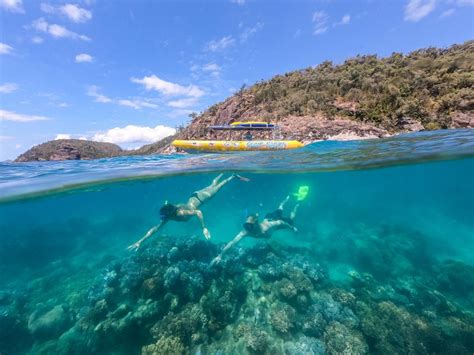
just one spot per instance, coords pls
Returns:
(389, 297)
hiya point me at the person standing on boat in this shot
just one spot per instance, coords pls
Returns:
(184, 212)
(272, 222)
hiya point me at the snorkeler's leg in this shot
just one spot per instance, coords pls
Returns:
(223, 182)
(280, 224)
(210, 191)
(200, 196)
(283, 203)
(216, 179)
(295, 210)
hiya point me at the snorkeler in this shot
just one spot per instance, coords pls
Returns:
(273, 221)
(184, 212)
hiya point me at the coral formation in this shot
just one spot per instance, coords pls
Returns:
(167, 299)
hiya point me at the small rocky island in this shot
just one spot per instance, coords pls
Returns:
(70, 149)
(364, 97)
(78, 149)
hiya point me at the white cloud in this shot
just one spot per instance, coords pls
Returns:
(207, 69)
(167, 88)
(84, 58)
(128, 103)
(18, 146)
(62, 136)
(136, 104)
(37, 40)
(62, 32)
(47, 8)
(320, 16)
(447, 13)
(319, 31)
(212, 68)
(40, 25)
(18, 117)
(250, 31)
(75, 13)
(56, 31)
(220, 45)
(415, 10)
(63, 104)
(238, 2)
(182, 103)
(94, 92)
(134, 134)
(6, 138)
(8, 88)
(12, 6)
(5, 48)
(344, 20)
(320, 19)
(71, 11)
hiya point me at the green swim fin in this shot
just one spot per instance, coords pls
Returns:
(302, 193)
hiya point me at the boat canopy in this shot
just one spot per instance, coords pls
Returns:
(245, 126)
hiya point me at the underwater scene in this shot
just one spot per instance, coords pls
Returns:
(359, 247)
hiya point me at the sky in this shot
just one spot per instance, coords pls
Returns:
(130, 72)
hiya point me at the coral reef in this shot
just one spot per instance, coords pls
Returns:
(49, 323)
(266, 299)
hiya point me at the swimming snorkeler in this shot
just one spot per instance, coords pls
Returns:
(273, 221)
(184, 212)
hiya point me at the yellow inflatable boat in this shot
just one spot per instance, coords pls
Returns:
(234, 146)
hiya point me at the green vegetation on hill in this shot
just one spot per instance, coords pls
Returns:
(434, 87)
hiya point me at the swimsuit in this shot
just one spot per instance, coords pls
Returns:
(278, 216)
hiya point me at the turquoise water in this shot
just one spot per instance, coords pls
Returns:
(382, 261)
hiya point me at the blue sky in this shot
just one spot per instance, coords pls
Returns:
(130, 71)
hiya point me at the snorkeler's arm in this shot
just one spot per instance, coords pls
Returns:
(229, 245)
(199, 216)
(152, 231)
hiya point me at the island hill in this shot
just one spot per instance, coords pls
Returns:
(365, 97)
(79, 149)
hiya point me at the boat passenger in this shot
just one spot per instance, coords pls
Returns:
(253, 228)
(184, 211)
